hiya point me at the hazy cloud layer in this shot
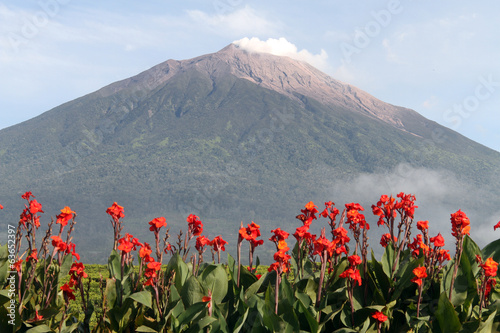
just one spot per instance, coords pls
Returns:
(438, 194)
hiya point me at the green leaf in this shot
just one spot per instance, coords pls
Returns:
(313, 323)
(181, 270)
(405, 274)
(388, 260)
(447, 317)
(39, 329)
(241, 322)
(200, 324)
(492, 250)
(114, 265)
(254, 288)
(486, 326)
(191, 312)
(214, 278)
(145, 329)
(192, 292)
(470, 249)
(110, 293)
(143, 297)
(65, 266)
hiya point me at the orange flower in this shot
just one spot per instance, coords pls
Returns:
(35, 207)
(279, 235)
(145, 250)
(37, 316)
(422, 225)
(420, 273)
(490, 267)
(201, 241)
(67, 291)
(78, 270)
(460, 224)
(386, 238)
(65, 216)
(352, 274)
(58, 243)
(438, 240)
(308, 213)
(1, 207)
(251, 232)
(379, 317)
(354, 260)
(218, 244)
(154, 265)
(194, 224)
(116, 211)
(157, 223)
(208, 300)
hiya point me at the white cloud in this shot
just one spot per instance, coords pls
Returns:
(239, 22)
(282, 47)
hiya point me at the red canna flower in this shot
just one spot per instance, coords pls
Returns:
(422, 225)
(65, 216)
(490, 267)
(116, 211)
(1, 207)
(33, 256)
(354, 217)
(38, 317)
(201, 241)
(352, 274)
(386, 239)
(438, 240)
(207, 299)
(145, 251)
(67, 291)
(491, 283)
(35, 207)
(420, 273)
(27, 195)
(279, 235)
(496, 226)
(157, 223)
(460, 224)
(354, 260)
(59, 244)
(379, 317)
(17, 265)
(385, 209)
(194, 224)
(218, 244)
(308, 213)
(251, 232)
(154, 266)
(128, 243)
(78, 270)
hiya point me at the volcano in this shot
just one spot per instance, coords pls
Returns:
(230, 136)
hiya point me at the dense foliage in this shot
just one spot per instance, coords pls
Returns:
(323, 283)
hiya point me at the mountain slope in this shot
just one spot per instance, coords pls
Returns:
(230, 136)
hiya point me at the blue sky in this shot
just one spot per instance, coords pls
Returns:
(438, 58)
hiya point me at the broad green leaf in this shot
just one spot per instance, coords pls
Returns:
(181, 270)
(313, 323)
(192, 292)
(471, 250)
(200, 324)
(110, 293)
(492, 250)
(214, 278)
(254, 288)
(114, 265)
(487, 325)
(145, 329)
(191, 312)
(39, 329)
(446, 316)
(65, 266)
(143, 297)
(388, 260)
(405, 274)
(241, 321)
